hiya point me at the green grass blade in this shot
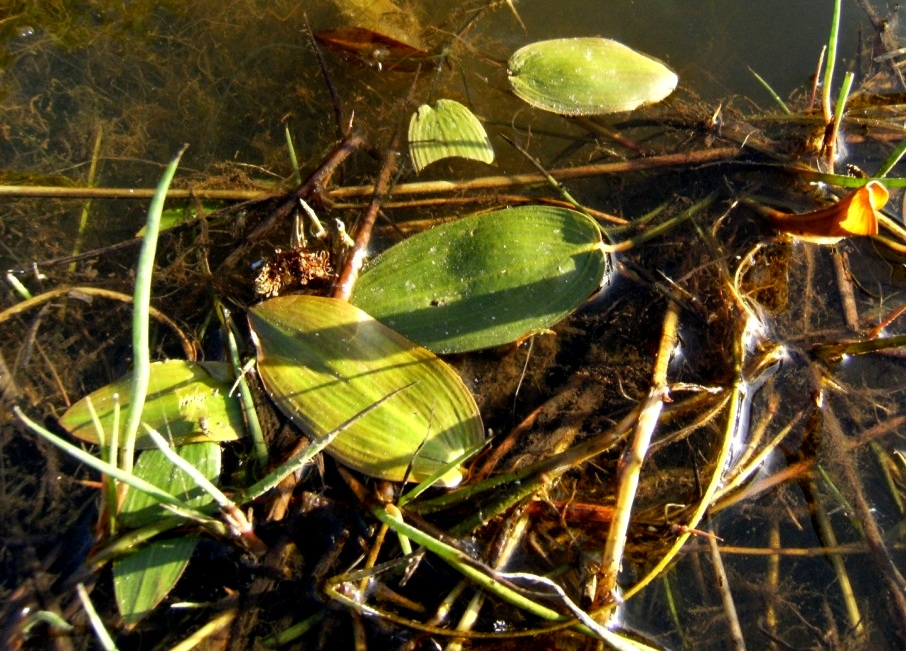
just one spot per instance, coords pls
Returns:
(140, 339)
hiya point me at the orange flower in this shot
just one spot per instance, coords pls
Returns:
(855, 214)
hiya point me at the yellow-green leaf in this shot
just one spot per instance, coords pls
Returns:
(323, 361)
(485, 280)
(185, 403)
(446, 130)
(588, 76)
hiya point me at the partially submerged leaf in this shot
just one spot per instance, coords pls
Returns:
(140, 509)
(588, 76)
(143, 578)
(185, 404)
(854, 215)
(375, 48)
(446, 130)
(485, 280)
(323, 361)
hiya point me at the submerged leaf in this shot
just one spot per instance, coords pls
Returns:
(375, 48)
(485, 280)
(446, 130)
(143, 578)
(323, 361)
(588, 76)
(185, 403)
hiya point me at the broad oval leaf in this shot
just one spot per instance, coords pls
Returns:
(486, 280)
(323, 361)
(185, 403)
(588, 76)
(447, 130)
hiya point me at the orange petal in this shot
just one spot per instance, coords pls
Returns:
(861, 216)
(855, 214)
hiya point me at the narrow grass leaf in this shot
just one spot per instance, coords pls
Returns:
(485, 280)
(323, 361)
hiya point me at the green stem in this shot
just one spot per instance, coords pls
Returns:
(831, 59)
(141, 303)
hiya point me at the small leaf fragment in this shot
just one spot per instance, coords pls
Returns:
(185, 403)
(485, 280)
(323, 361)
(588, 76)
(446, 130)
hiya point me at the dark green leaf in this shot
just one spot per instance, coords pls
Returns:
(485, 280)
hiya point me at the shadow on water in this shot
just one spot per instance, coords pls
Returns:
(775, 425)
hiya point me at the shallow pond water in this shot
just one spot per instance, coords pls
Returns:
(792, 440)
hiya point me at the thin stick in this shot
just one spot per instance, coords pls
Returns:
(702, 157)
(631, 461)
(726, 596)
(829, 539)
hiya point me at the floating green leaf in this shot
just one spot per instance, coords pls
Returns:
(485, 280)
(323, 361)
(446, 130)
(143, 578)
(186, 402)
(588, 76)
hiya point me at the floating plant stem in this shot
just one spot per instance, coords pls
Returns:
(838, 118)
(723, 587)
(141, 353)
(100, 631)
(734, 414)
(829, 540)
(634, 455)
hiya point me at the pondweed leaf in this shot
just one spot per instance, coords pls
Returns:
(140, 509)
(588, 76)
(323, 361)
(485, 280)
(446, 130)
(143, 578)
(187, 403)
